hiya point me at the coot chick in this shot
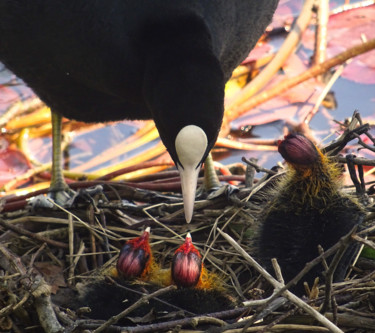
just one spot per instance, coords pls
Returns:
(189, 272)
(106, 299)
(166, 60)
(198, 292)
(135, 259)
(308, 210)
(186, 264)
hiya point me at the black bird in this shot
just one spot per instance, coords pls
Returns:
(308, 209)
(105, 60)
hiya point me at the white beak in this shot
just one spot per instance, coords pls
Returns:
(189, 178)
(191, 144)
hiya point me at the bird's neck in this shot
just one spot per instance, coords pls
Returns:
(183, 87)
(314, 185)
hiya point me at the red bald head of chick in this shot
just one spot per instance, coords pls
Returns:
(135, 257)
(186, 265)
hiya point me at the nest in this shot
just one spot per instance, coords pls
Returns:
(49, 251)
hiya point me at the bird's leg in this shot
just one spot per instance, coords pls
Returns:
(212, 183)
(211, 180)
(59, 190)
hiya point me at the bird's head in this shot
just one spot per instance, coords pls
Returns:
(298, 150)
(135, 257)
(184, 91)
(310, 170)
(186, 264)
(187, 104)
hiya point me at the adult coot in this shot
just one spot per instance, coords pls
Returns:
(105, 60)
(308, 210)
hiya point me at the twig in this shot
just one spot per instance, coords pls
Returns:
(71, 250)
(46, 314)
(366, 242)
(325, 91)
(132, 290)
(329, 274)
(288, 83)
(279, 319)
(266, 310)
(167, 325)
(257, 167)
(277, 285)
(143, 300)
(284, 52)
(250, 171)
(39, 289)
(16, 108)
(351, 6)
(144, 165)
(36, 255)
(278, 328)
(30, 234)
(321, 32)
(277, 270)
(365, 145)
(349, 134)
(346, 238)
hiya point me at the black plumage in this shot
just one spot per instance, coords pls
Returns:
(166, 60)
(106, 299)
(308, 209)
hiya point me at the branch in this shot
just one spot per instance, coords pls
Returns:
(277, 285)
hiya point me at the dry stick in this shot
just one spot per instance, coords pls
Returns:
(280, 328)
(168, 325)
(344, 240)
(39, 289)
(257, 167)
(139, 293)
(18, 108)
(279, 319)
(364, 241)
(143, 300)
(351, 6)
(329, 277)
(324, 92)
(284, 52)
(310, 73)
(79, 254)
(250, 171)
(30, 234)
(46, 314)
(365, 145)
(71, 250)
(36, 255)
(367, 230)
(144, 165)
(92, 238)
(277, 270)
(277, 285)
(321, 32)
(349, 134)
(64, 318)
(356, 160)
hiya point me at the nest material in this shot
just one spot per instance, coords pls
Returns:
(47, 251)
